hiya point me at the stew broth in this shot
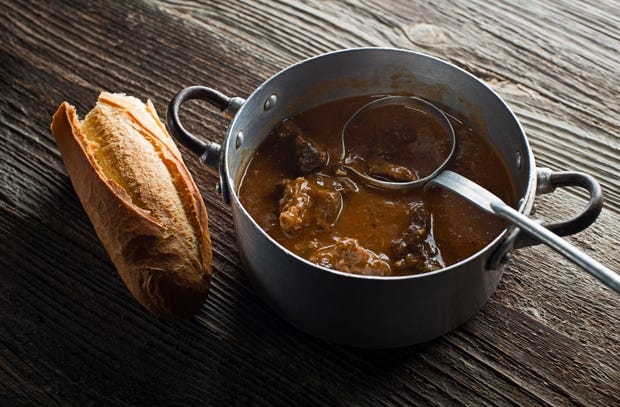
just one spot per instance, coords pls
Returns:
(295, 190)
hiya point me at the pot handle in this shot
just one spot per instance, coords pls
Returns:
(208, 151)
(547, 182)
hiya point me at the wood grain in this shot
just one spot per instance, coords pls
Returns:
(71, 334)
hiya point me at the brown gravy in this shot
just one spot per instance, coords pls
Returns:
(294, 191)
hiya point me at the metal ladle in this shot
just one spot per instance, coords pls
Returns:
(471, 191)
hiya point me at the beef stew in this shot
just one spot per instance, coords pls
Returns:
(294, 188)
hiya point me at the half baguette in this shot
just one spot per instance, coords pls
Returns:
(141, 200)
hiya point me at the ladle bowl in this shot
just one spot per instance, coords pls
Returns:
(411, 102)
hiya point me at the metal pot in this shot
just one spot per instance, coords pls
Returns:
(367, 311)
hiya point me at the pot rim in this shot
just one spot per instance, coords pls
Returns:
(525, 202)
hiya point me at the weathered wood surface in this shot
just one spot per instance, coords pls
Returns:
(71, 334)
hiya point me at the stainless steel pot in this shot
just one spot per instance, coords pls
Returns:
(367, 311)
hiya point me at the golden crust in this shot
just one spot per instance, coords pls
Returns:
(141, 200)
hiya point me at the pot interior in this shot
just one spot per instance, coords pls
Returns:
(378, 71)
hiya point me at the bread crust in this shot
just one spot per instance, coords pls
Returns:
(141, 200)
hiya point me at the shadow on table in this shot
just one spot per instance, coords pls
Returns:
(72, 332)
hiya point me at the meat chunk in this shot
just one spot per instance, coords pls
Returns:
(382, 168)
(416, 248)
(313, 202)
(309, 157)
(349, 256)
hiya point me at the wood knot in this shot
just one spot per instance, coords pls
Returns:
(428, 35)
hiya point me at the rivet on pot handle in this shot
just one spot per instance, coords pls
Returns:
(210, 153)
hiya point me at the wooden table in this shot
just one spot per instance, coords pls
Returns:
(70, 332)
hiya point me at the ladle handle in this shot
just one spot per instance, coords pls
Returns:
(492, 204)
